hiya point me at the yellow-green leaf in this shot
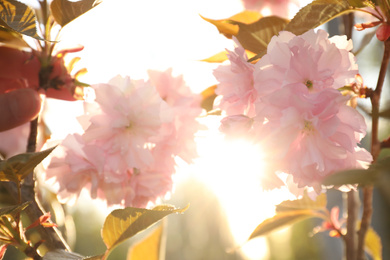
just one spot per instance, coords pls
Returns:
(122, 224)
(228, 29)
(255, 37)
(304, 203)
(19, 166)
(373, 244)
(222, 56)
(316, 13)
(357, 3)
(18, 17)
(282, 219)
(208, 96)
(65, 11)
(149, 247)
(355, 176)
(12, 39)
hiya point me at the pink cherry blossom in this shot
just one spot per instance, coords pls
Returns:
(299, 116)
(312, 135)
(310, 59)
(126, 156)
(131, 113)
(235, 87)
(185, 107)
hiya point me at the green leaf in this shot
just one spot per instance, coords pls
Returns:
(373, 244)
(316, 13)
(375, 174)
(149, 247)
(228, 29)
(18, 17)
(304, 203)
(13, 210)
(255, 37)
(355, 176)
(65, 11)
(19, 166)
(282, 219)
(122, 224)
(60, 254)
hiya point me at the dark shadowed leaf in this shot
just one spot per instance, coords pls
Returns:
(304, 203)
(373, 244)
(12, 210)
(65, 11)
(18, 17)
(316, 13)
(149, 247)
(19, 166)
(61, 254)
(282, 219)
(256, 36)
(122, 224)
(228, 29)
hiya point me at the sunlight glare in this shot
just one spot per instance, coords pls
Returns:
(232, 170)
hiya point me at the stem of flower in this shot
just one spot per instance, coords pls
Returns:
(375, 150)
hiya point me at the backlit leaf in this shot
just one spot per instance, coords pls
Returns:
(122, 224)
(12, 210)
(256, 36)
(149, 247)
(357, 3)
(282, 219)
(316, 13)
(60, 254)
(12, 39)
(18, 17)
(217, 58)
(373, 244)
(222, 56)
(65, 11)
(208, 96)
(228, 29)
(375, 174)
(17, 167)
(355, 176)
(304, 203)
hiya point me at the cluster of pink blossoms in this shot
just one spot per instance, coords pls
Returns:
(289, 103)
(133, 131)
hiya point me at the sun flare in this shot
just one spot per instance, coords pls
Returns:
(232, 169)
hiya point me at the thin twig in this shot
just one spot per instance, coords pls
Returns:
(375, 150)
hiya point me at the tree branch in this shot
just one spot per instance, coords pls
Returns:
(375, 150)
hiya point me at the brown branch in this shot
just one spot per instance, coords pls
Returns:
(51, 235)
(375, 150)
(351, 236)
